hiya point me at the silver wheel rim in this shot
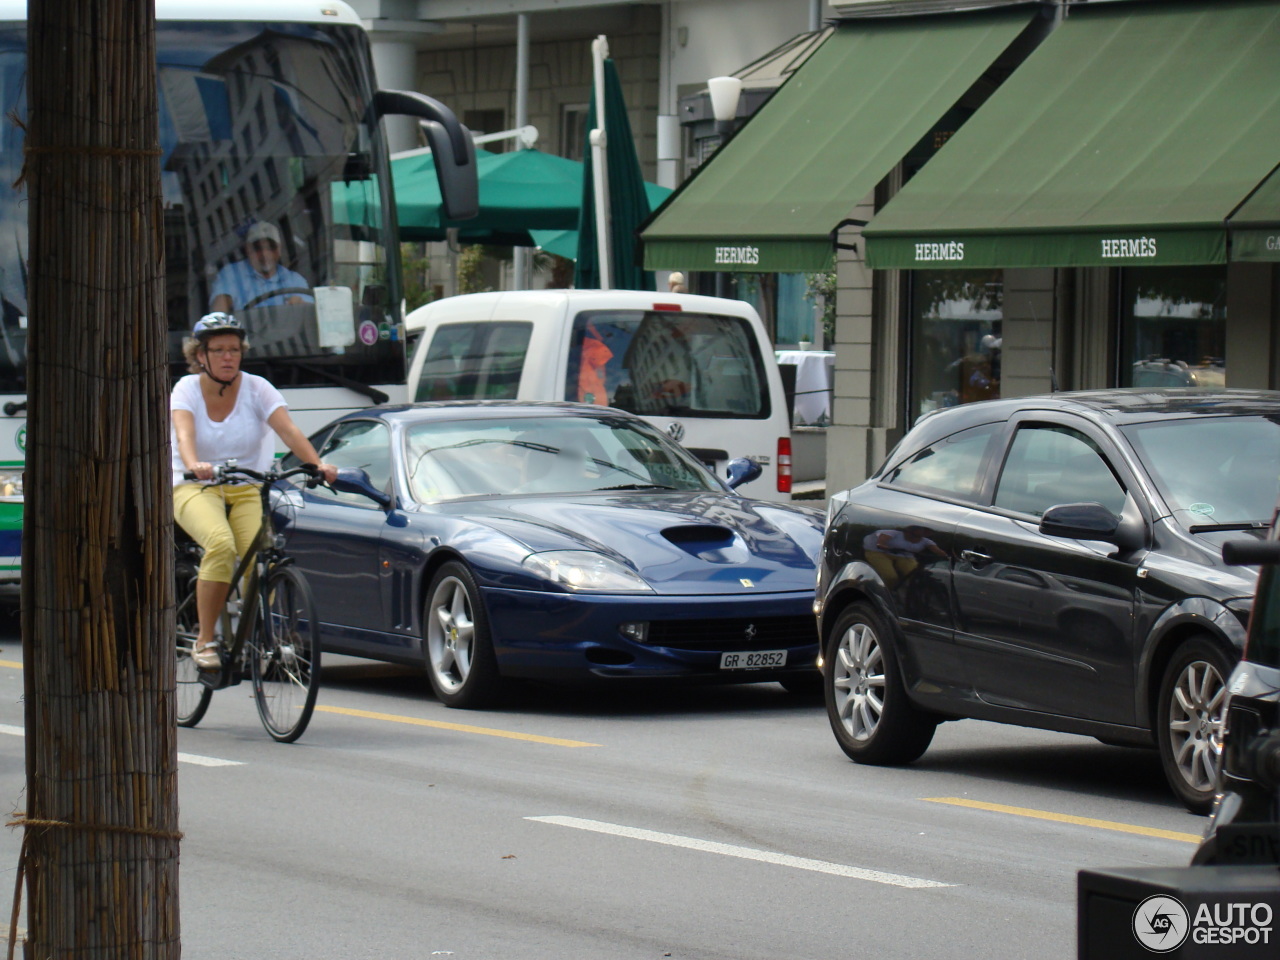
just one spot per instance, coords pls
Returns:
(451, 633)
(1195, 724)
(858, 679)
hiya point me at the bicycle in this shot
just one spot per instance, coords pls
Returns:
(269, 618)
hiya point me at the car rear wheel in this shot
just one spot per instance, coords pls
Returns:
(1189, 722)
(867, 704)
(459, 649)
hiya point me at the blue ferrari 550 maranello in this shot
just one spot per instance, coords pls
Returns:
(497, 540)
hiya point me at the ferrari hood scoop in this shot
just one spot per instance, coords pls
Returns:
(709, 542)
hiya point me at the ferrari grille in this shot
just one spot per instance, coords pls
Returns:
(737, 633)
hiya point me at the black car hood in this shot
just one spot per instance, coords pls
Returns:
(694, 543)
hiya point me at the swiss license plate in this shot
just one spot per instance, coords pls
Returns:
(753, 659)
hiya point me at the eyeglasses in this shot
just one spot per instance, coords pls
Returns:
(260, 245)
(225, 351)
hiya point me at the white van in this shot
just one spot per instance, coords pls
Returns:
(699, 368)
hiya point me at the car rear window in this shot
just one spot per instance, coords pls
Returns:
(474, 361)
(667, 363)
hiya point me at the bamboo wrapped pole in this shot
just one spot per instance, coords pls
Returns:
(100, 850)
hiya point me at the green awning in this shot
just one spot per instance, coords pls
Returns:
(770, 197)
(1126, 138)
(1255, 227)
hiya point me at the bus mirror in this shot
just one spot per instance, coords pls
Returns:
(451, 148)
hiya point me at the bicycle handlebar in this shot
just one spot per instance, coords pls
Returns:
(231, 470)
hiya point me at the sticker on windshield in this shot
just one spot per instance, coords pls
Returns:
(1201, 509)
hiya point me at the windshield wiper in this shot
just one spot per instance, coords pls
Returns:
(1220, 527)
(637, 486)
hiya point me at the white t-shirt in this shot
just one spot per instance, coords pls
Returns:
(244, 436)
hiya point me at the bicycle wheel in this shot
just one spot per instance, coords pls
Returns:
(192, 696)
(284, 659)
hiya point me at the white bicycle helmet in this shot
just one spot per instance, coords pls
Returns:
(214, 323)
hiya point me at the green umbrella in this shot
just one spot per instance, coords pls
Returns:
(520, 192)
(628, 202)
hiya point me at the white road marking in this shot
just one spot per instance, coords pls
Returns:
(208, 761)
(182, 757)
(743, 853)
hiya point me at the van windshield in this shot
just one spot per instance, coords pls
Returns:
(667, 363)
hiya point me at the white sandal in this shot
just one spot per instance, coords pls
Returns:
(206, 657)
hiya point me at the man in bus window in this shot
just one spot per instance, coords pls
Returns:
(259, 280)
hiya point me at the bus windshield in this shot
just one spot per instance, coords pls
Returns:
(272, 205)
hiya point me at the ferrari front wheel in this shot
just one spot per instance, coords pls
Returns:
(461, 664)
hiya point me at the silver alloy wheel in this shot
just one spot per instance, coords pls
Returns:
(859, 681)
(1195, 724)
(451, 632)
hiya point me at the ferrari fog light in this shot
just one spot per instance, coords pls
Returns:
(585, 572)
(637, 630)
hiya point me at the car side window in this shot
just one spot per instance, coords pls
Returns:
(952, 466)
(365, 444)
(1048, 465)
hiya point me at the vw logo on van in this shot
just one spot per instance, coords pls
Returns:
(676, 432)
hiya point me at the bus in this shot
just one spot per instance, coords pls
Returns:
(269, 115)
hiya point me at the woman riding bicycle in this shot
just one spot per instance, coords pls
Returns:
(219, 413)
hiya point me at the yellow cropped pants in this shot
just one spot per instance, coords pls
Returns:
(223, 519)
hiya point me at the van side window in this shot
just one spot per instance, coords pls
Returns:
(474, 361)
(666, 363)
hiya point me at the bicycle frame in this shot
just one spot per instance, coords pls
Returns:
(272, 638)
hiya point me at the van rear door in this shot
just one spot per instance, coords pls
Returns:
(700, 376)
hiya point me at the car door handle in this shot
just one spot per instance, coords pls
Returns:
(975, 558)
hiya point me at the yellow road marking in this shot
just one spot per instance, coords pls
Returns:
(1068, 818)
(460, 727)
(11, 663)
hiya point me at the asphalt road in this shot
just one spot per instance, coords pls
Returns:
(685, 822)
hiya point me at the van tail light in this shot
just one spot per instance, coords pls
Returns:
(784, 464)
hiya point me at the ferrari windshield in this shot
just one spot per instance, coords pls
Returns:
(445, 460)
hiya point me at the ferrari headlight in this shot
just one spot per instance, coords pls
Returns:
(585, 572)
(11, 485)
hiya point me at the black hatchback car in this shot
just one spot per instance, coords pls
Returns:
(1051, 562)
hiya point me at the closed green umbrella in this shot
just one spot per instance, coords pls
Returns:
(628, 202)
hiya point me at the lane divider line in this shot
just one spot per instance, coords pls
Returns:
(1067, 818)
(742, 853)
(11, 663)
(458, 727)
(182, 757)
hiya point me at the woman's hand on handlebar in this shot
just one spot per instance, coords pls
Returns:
(202, 471)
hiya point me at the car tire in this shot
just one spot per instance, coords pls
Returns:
(871, 715)
(456, 640)
(1189, 720)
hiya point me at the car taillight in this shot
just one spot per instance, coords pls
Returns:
(784, 464)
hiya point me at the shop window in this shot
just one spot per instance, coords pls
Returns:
(780, 300)
(955, 338)
(573, 130)
(1173, 327)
